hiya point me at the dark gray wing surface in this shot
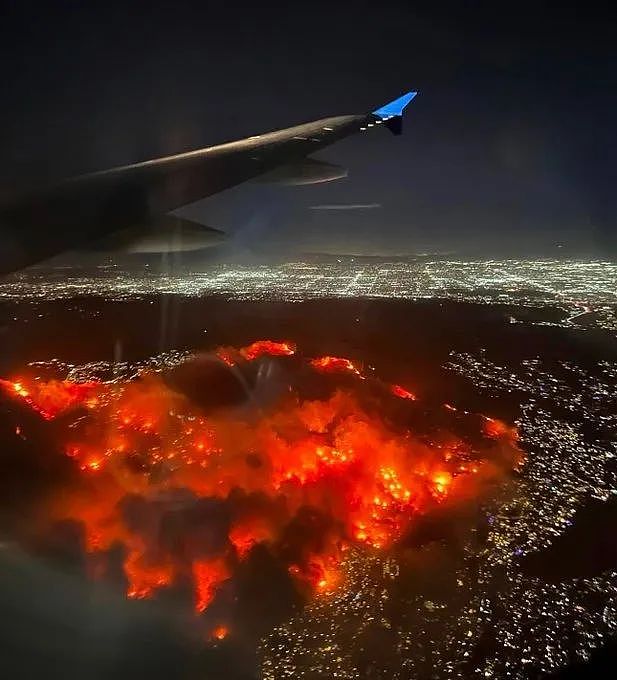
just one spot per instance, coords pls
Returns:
(91, 207)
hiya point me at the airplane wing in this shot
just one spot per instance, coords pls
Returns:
(129, 199)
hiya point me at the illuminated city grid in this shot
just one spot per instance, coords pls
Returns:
(581, 288)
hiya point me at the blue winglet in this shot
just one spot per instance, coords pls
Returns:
(394, 108)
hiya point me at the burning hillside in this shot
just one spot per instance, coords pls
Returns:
(172, 497)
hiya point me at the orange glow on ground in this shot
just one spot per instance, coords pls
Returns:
(402, 393)
(268, 347)
(232, 356)
(496, 428)
(244, 535)
(220, 633)
(53, 397)
(208, 576)
(330, 364)
(366, 481)
(144, 579)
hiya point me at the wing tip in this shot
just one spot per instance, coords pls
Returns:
(395, 107)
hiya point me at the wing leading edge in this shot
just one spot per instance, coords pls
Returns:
(91, 207)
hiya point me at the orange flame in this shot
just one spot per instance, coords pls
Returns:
(144, 579)
(367, 479)
(269, 347)
(401, 392)
(53, 397)
(208, 576)
(219, 633)
(496, 428)
(329, 364)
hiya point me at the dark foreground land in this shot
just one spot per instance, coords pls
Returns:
(409, 339)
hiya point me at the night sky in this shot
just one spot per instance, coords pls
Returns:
(509, 148)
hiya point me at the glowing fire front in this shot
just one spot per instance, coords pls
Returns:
(190, 495)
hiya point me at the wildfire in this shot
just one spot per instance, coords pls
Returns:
(269, 347)
(153, 463)
(232, 356)
(220, 633)
(321, 573)
(442, 481)
(208, 576)
(20, 390)
(244, 535)
(328, 580)
(144, 579)
(496, 428)
(402, 393)
(330, 364)
(53, 397)
(226, 356)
